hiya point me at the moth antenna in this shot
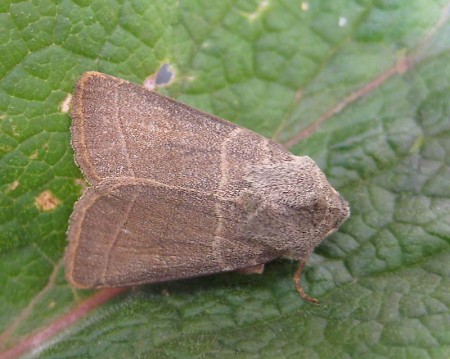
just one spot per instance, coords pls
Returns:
(300, 290)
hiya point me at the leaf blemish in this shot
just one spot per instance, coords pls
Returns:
(163, 77)
(65, 105)
(342, 21)
(34, 155)
(81, 183)
(12, 186)
(262, 6)
(47, 201)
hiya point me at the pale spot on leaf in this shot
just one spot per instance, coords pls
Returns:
(150, 83)
(34, 155)
(47, 201)
(65, 105)
(304, 6)
(82, 183)
(190, 78)
(12, 186)
(262, 6)
(342, 21)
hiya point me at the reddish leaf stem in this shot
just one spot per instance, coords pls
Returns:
(40, 338)
(400, 68)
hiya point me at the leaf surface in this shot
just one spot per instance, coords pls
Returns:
(360, 86)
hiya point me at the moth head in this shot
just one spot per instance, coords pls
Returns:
(297, 198)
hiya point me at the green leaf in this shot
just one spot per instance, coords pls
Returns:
(361, 86)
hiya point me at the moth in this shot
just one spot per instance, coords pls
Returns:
(177, 193)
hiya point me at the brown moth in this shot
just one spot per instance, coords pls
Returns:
(178, 193)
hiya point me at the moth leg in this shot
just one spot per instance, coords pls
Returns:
(257, 269)
(300, 290)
